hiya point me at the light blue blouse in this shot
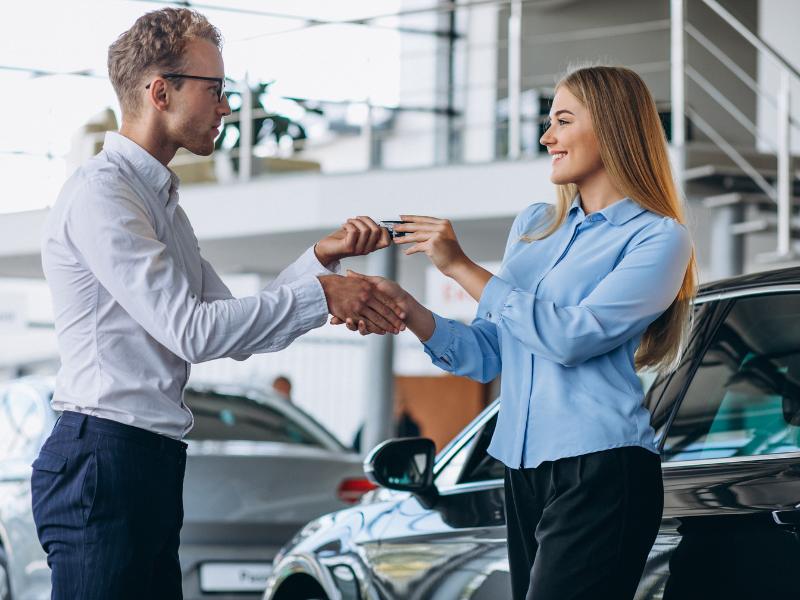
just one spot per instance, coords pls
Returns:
(561, 321)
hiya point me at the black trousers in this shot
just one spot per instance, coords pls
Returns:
(582, 527)
(108, 507)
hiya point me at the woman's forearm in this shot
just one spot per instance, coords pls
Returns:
(473, 278)
(420, 321)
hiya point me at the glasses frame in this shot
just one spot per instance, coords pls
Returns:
(220, 81)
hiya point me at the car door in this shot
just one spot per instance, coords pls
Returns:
(454, 548)
(731, 456)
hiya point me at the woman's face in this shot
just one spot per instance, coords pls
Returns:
(571, 141)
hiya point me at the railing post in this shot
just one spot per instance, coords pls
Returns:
(514, 78)
(677, 86)
(379, 410)
(246, 130)
(369, 135)
(784, 166)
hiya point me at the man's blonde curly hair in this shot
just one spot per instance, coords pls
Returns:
(155, 44)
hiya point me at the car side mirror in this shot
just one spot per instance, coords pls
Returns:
(403, 464)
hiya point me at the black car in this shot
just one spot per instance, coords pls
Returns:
(727, 422)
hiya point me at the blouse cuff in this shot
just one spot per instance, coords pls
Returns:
(493, 299)
(442, 337)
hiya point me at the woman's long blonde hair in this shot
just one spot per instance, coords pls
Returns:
(633, 149)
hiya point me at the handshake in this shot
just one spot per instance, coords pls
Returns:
(373, 304)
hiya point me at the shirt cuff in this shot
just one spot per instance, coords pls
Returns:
(442, 337)
(310, 258)
(493, 299)
(312, 307)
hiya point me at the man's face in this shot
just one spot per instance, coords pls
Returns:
(195, 115)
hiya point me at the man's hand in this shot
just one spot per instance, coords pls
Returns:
(360, 301)
(418, 318)
(357, 237)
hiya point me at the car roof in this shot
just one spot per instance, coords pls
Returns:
(274, 402)
(790, 275)
(46, 384)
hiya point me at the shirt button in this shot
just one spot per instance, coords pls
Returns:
(488, 315)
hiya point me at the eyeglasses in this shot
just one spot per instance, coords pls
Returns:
(220, 81)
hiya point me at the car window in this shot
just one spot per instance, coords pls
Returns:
(22, 421)
(449, 475)
(660, 397)
(472, 463)
(230, 417)
(481, 466)
(744, 399)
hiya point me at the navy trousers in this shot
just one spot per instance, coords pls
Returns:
(108, 506)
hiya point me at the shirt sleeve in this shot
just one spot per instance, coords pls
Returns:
(112, 233)
(633, 295)
(215, 289)
(474, 350)
(306, 265)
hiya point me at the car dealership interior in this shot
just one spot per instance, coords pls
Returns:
(322, 462)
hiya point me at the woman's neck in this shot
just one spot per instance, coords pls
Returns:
(598, 192)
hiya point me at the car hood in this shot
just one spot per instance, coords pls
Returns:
(340, 531)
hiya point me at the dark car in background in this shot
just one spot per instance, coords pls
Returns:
(244, 495)
(728, 426)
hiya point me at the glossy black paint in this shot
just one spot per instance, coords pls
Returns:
(730, 529)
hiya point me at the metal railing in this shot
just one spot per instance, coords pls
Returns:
(781, 193)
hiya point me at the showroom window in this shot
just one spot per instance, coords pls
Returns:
(744, 399)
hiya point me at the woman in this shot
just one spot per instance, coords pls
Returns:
(589, 291)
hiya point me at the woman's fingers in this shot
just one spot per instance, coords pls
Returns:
(421, 236)
(414, 249)
(419, 219)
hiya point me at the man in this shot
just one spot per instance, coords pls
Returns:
(135, 303)
(282, 386)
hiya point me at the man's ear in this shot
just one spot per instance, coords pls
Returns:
(158, 94)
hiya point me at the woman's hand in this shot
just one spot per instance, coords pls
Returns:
(434, 237)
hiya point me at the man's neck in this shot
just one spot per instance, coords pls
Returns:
(148, 138)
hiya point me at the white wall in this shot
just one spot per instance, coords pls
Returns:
(778, 21)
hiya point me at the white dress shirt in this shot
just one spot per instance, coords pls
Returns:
(135, 303)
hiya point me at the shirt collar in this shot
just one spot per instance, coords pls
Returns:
(618, 213)
(162, 179)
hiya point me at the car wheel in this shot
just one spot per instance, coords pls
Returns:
(5, 586)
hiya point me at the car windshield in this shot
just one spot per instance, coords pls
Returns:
(223, 416)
